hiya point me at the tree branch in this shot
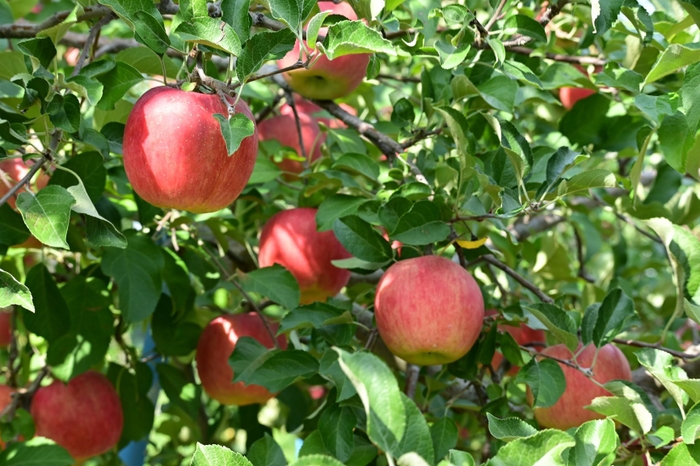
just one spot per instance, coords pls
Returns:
(643, 344)
(25, 30)
(518, 278)
(90, 42)
(412, 372)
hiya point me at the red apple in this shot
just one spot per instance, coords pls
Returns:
(569, 411)
(5, 399)
(327, 79)
(217, 342)
(317, 391)
(175, 156)
(283, 129)
(5, 327)
(12, 171)
(522, 334)
(570, 95)
(84, 417)
(290, 238)
(429, 310)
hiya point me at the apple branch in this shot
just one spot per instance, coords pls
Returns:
(90, 42)
(412, 372)
(24, 396)
(518, 278)
(643, 344)
(496, 14)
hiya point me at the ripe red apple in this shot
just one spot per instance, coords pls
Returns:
(569, 411)
(175, 156)
(522, 334)
(290, 238)
(5, 327)
(12, 171)
(84, 417)
(570, 95)
(429, 310)
(283, 128)
(217, 342)
(327, 79)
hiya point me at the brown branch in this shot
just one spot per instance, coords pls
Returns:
(24, 396)
(404, 79)
(412, 372)
(269, 108)
(496, 13)
(290, 101)
(581, 262)
(531, 225)
(518, 278)
(419, 136)
(90, 42)
(642, 344)
(24, 30)
(561, 57)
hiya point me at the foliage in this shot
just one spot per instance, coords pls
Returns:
(582, 222)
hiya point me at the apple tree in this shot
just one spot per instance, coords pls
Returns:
(349, 232)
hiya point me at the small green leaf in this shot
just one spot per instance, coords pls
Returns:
(116, 83)
(13, 292)
(292, 12)
(557, 321)
(274, 282)
(354, 37)
(361, 240)
(544, 447)
(601, 324)
(51, 317)
(509, 428)
(336, 426)
(314, 315)
(596, 178)
(41, 48)
(546, 380)
(150, 31)
(317, 460)
(265, 170)
(674, 57)
(235, 130)
(626, 406)
(334, 207)
(211, 32)
(235, 13)
(263, 46)
(47, 214)
(266, 452)
(217, 455)
(596, 443)
(521, 24)
(690, 428)
(421, 225)
(444, 434)
(37, 451)
(660, 365)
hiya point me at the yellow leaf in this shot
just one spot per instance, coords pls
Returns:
(472, 244)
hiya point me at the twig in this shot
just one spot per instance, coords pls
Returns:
(23, 395)
(642, 344)
(91, 41)
(566, 362)
(298, 65)
(419, 136)
(290, 101)
(26, 30)
(268, 109)
(518, 278)
(581, 261)
(403, 79)
(494, 17)
(625, 219)
(561, 57)
(412, 372)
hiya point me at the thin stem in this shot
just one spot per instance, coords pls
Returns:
(518, 278)
(412, 372)
(496, 13)
(90, 42)
(642, 344)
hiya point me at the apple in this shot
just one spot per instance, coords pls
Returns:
(522, 334)
(5, 399)
(429, 310)
(5, 327)
(570, 95)
(327, 79)
(283, 128)
(84, 416)
(569, 411)
(175, 156)
(290, 238)
(217, 342)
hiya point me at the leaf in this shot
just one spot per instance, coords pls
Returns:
(557, 321)
(330, 370)
(361, 240)
(89, 166)
(509, 428)
(67, 116)
(690, 428)
(235, 130)
(358, 164)
(444, 435)
(675, 143)
(51, 317)
(266, 452)
(41, 48)
(47, 214)
(263, 46)
(133, 387)
(35, 452)
(235, 13)
(674, 57)
(292, 12)
(354, 37)
(544, 447)
(682, 454)
(626, 407)
(116, 83)
(274, 282)
(314, 27)
(596, 442)
(265, 170)
(13, 292)
(211, 32)
(660, 365)
(316, 460)
(421, 225)
(601, 324)
(179, 390)
(314, 315)
(137, 271)
(380, 395)
(604, 14)
(336, 426)
(217, 455)
(150, 31)
(521, 24)
(546, 380)
(334, 207)
(596, 178)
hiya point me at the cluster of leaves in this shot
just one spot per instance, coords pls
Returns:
(588, 217)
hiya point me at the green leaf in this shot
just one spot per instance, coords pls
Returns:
(217, 455)
(336, 426)
(596, 178)
(180, 391)
(89, 166)
(47, 214)
(691, 387)
(690, 428)
(150, 31)
(521, 24)
(137, 271)
(265, 170)
(211, 32)
(509, 428)
(601, 324)
(358, 164)
(67, 117)
(41, 48)
(459, 458)
(35, 452)
(266, 452)
(674, 57)
(116, 83)
(627, 406)
(292, 12)
(263, 46)
(12, 228)
(682, 454)
(274, 282)
(330, 370)
(417, 438)
(444, 435)
(546, 380)
(317, 460)
(172, 333)
(253, 363)
(13, 292)
(314, 315)
(660, 365)
(235, 130)
(604, 14)
(133, 387)
(421, 225)
(544, 447)
(673, 139)
(50, 318)
(334, 207)
(235, 13)
(380, 395)
(354, 37)
(596, 443)
(557, 321)
(361, 240)
(314, 27)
